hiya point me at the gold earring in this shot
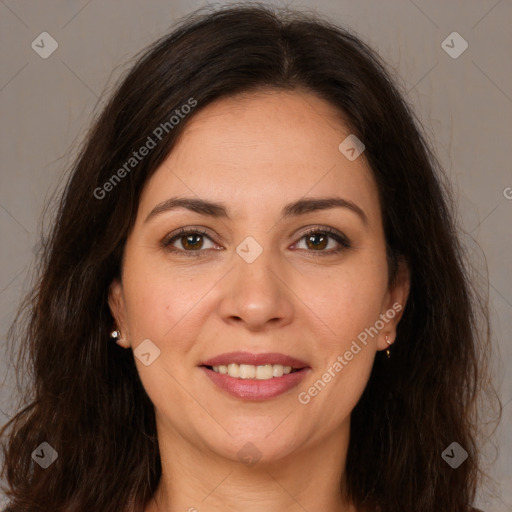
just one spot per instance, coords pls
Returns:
(387, 350)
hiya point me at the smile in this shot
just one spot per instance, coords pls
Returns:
(249, 371)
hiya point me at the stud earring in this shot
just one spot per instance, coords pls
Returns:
(116, 335)
(387, 350)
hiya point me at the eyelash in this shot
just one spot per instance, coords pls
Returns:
(332, 233)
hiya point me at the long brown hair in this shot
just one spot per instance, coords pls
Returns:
(86, 399)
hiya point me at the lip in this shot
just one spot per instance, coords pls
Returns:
(254, 389)
(255, 359)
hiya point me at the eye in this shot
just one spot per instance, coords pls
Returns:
(317, 240)
(190, 240)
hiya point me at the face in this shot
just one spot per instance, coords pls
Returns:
(255, 275)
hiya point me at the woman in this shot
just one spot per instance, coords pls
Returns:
(253, 296)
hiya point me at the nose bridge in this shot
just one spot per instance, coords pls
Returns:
(256, 292)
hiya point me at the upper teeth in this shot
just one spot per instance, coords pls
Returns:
(249, 371)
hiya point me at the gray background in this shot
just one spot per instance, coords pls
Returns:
(464, 104)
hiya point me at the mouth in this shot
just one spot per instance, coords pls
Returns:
(255, 376)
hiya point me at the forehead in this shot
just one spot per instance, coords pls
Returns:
(263, 150)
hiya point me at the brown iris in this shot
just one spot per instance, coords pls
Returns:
(187, 245)
(320, 245)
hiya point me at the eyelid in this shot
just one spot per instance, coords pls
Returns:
(323, 229)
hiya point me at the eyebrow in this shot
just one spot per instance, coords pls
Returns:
(218, 210)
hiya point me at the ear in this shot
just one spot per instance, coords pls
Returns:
(394, 305)
(118, 309)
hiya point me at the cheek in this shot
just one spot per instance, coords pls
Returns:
(348, 301)
(166, 309)
(349, 309)
(160, 304)
(344, 347)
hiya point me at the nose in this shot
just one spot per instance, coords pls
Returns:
(257, 294)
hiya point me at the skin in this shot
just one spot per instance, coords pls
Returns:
(255, 153)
